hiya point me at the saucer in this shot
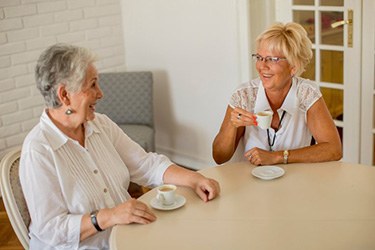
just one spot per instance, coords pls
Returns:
(180, 201)
(268, 172)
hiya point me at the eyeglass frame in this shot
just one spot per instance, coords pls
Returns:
(267, 59)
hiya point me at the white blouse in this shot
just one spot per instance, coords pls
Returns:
(293, 132)
(62, 180)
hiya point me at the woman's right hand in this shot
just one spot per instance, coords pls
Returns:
(241, 117)
(231, 131)
(132, 211)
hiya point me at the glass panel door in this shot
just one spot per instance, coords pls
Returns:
(333, 38)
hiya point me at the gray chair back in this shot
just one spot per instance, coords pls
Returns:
(127, 97)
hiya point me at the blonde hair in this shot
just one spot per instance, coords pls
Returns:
(290, 39)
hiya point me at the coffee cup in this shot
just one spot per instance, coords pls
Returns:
(264, 119)
(166, 194)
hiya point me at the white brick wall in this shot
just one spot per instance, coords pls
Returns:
(26, 28)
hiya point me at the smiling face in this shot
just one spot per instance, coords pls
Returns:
(83, 102)
(274, 76)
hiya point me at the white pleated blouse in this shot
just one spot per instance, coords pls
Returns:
(62, 180)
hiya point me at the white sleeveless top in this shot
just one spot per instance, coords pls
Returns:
(293, 132)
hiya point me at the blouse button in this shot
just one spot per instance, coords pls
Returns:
(95, 171)
(105, 190)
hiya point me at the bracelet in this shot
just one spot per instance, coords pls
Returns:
(286, 155)
(94, 221)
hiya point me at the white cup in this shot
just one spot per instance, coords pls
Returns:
(264, 119)
(166, 194)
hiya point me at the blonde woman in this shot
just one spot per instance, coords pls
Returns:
(299, 110)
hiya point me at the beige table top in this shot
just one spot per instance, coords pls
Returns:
(313, 206)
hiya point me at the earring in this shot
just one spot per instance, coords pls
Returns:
(69, 112)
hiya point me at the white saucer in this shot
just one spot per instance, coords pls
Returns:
(180, 201)
(268, 172)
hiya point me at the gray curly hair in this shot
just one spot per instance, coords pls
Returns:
(61, 64)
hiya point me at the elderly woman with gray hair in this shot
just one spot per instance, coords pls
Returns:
(299, 111)
(76, 164)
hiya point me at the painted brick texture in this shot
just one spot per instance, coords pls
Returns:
(27, 27)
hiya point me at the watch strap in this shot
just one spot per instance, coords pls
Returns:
(94, 220)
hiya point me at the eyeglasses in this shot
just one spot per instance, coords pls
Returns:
(267, 59)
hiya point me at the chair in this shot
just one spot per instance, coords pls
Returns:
(128, 101)
(14, 201)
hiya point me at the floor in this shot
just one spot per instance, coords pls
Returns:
(8, 239)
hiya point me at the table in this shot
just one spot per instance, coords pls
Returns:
(313, 206)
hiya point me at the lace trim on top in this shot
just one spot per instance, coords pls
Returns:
(244, 98)
(308, 96)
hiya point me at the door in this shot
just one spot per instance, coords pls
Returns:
(368, 86)
(334, 27)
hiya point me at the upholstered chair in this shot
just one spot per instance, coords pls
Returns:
(128, 101)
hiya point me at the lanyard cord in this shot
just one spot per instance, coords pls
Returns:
(274, 136)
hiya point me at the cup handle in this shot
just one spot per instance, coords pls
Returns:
(160, 198)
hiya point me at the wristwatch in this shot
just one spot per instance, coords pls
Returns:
(286, 154)
(94, 220)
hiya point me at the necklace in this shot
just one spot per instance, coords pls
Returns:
(274, 136)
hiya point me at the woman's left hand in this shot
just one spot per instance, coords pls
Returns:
(206, 188)
(257, 156)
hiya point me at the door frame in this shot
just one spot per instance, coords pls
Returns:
(368, 92)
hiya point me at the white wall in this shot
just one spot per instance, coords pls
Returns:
(198, 51)
(262, 15)
(195, 52)
(29, 26)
